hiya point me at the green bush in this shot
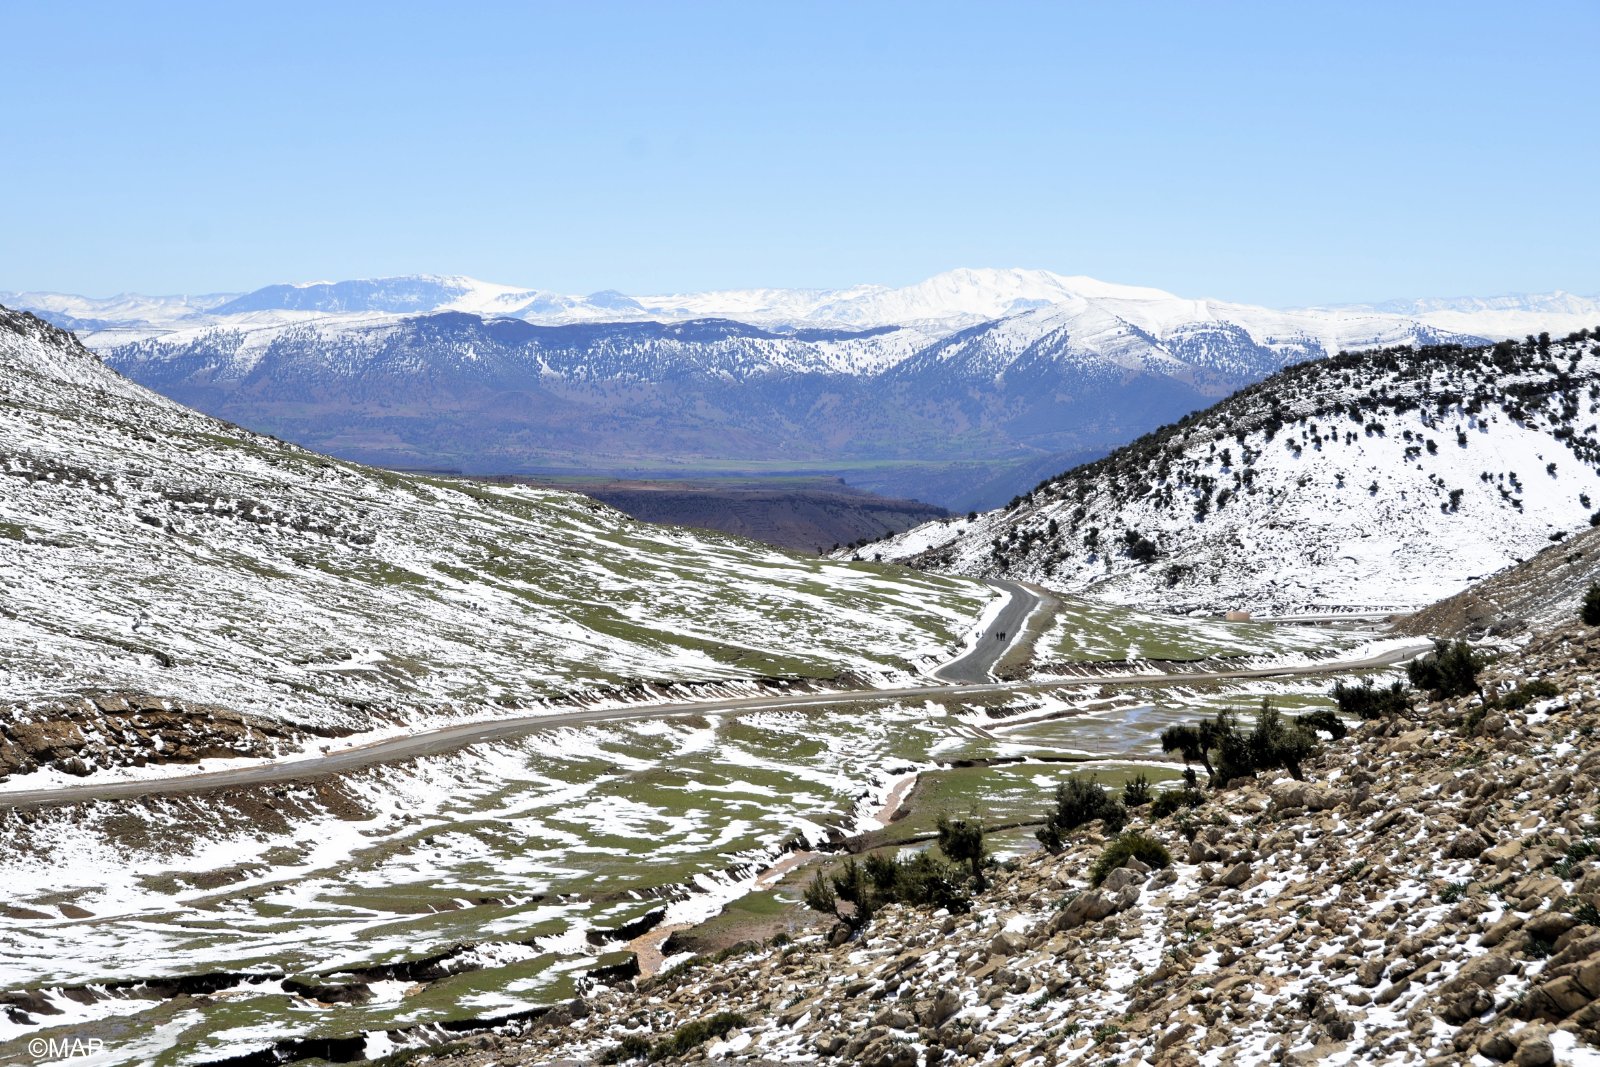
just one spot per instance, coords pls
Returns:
(819, 895)
(1325, 721)
(962, 841)
(1173, 800)
(1136, 791)
(1129, 845)
(632, 1047)
(1450, 670)
(1591, 603)
(923, 880)
(694, 1034)
(1274, 741)
(1527, 693)
(1080, 801)
(1365, 701)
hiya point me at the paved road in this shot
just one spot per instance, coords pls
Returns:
(1002, 635)
(449, 738)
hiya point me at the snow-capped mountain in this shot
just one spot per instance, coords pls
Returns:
(1514, 316)
(960, 389)
(960, 417)
(1380, 481)
(950, 301)
(145, 547)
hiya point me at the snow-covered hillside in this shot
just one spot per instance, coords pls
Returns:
(1380, 481)
(145, 547)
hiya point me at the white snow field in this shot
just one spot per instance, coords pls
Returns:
(145, 547)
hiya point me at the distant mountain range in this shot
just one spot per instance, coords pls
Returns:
(959, 390)
(1382, 481)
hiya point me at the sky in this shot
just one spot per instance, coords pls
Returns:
(1279, 154)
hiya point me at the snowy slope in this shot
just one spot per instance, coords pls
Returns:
(146, 547)
(1372, 482)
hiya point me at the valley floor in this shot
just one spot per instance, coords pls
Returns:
(1428, 897)
(462, 886)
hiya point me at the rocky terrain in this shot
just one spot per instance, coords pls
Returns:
(1427, 895)
(81, 734)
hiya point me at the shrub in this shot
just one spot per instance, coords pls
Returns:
(1325, 721)
(1173, 800)
(1273, 742)
(819, 895)
(922, 880)
(1591, 604)
(1365, 701)
(1450, 670)
(1080, 801)
(1136, 791)
(1527, 692)
(692, 1035)
(632, 1047)
(1197, 740)
(962, 841)
(1278, 742)
(1128, 846)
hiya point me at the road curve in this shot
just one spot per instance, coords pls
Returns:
(1008, 629)
(449, 738)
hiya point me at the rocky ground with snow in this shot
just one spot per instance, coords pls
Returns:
(1428, 895)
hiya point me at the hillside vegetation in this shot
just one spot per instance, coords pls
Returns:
(1380, 481)
(146, 548)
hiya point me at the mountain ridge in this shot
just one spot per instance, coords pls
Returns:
(1380, 481)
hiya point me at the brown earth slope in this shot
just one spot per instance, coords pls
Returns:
(807, 515)
(1532, 594)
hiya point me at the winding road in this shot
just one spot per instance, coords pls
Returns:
(968, 674)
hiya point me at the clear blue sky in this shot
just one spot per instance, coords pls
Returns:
(1277, 153)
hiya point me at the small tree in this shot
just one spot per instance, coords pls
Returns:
(1450, 670)
(1324, 720)
(819, 895)
(854, 887)
(1136, 791)
(1591, 605)
(1278, 742)
(1195, 741)
(962, 841)
(1366, 701)
(1080, 801)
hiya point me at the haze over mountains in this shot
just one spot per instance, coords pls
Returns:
(960, 390)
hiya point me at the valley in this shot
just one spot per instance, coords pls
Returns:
(799, 512)
(512, 855)
(337, 762)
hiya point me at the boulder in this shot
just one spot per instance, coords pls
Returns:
(1466, 846)
(1236, 876)
(1085, 908)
